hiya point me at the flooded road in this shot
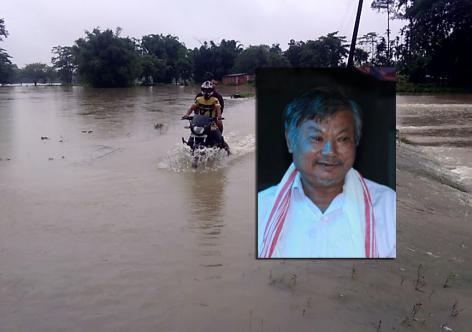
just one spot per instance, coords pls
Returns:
(104, 226)
(102, 216)
(441, 126)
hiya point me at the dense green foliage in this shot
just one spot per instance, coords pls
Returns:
(214, 61)
(326, 51)
(64, 62)
(37, 73)
(7, 69)
(258, 57)
(104, 59)
(438, 41)
(164, 59)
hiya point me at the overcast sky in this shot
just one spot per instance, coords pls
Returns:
(35, 26)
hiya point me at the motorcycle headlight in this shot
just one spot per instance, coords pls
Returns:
(198, 130)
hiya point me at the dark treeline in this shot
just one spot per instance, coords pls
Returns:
(105, 59)
(433, 47)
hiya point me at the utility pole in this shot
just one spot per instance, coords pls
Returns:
(388, 33)
(350, 61)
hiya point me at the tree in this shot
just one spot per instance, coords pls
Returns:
(149, 72)
(170, 56)
(213, 60)
(252, 58)
(34, 73)
(326, 51)
(104, 59)
(3, 30)
(225, 55)
(277, 57)
(64, 62)
(153, 70)
(369, 41)
(260, 56)
(438, 40)
(382, 57)
(203, 63)
(388, 7)
(293, 52)
(360, 57)
(51, 75)
(6, 68)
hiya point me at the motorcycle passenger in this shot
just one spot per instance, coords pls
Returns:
(208, 105)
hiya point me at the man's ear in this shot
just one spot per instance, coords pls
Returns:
(289, 142)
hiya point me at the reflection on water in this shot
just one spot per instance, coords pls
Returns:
(205, 195)
(442, 127)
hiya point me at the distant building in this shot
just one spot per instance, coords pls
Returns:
(238, 79)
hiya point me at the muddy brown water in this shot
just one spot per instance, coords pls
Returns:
(441, 126)
(103, 222)
(104, 226)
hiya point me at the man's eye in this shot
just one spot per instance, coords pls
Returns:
(344, 139)
(316, 139)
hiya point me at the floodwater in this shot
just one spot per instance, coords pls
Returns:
(103, 221)
(105, 226)
(441, 126)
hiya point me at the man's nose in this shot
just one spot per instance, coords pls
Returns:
(327, 148)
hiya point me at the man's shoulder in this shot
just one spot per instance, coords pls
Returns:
(267, 193)
(380, 192)
(265, 198)
(264, 202)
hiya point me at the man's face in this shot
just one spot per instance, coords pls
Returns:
(207, 93)
(324, 151)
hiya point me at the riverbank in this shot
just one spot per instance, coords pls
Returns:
(403, 86)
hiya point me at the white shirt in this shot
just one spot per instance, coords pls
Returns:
(308, 232)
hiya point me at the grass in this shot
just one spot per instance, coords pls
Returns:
(404, 140)
(405, 86)
(449, 279)
(420, 281)
(412, 316)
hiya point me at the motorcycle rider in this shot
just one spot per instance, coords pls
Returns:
(207, 104)
(215, 94)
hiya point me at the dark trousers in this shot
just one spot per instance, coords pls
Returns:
(215, 136)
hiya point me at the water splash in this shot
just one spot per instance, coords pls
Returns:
(240, 145)
(180, 158)
(464, 172)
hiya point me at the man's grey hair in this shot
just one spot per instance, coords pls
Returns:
(318, 104)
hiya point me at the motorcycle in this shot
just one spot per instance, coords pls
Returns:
(203, 134)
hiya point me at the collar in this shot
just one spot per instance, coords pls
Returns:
(297, 192)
